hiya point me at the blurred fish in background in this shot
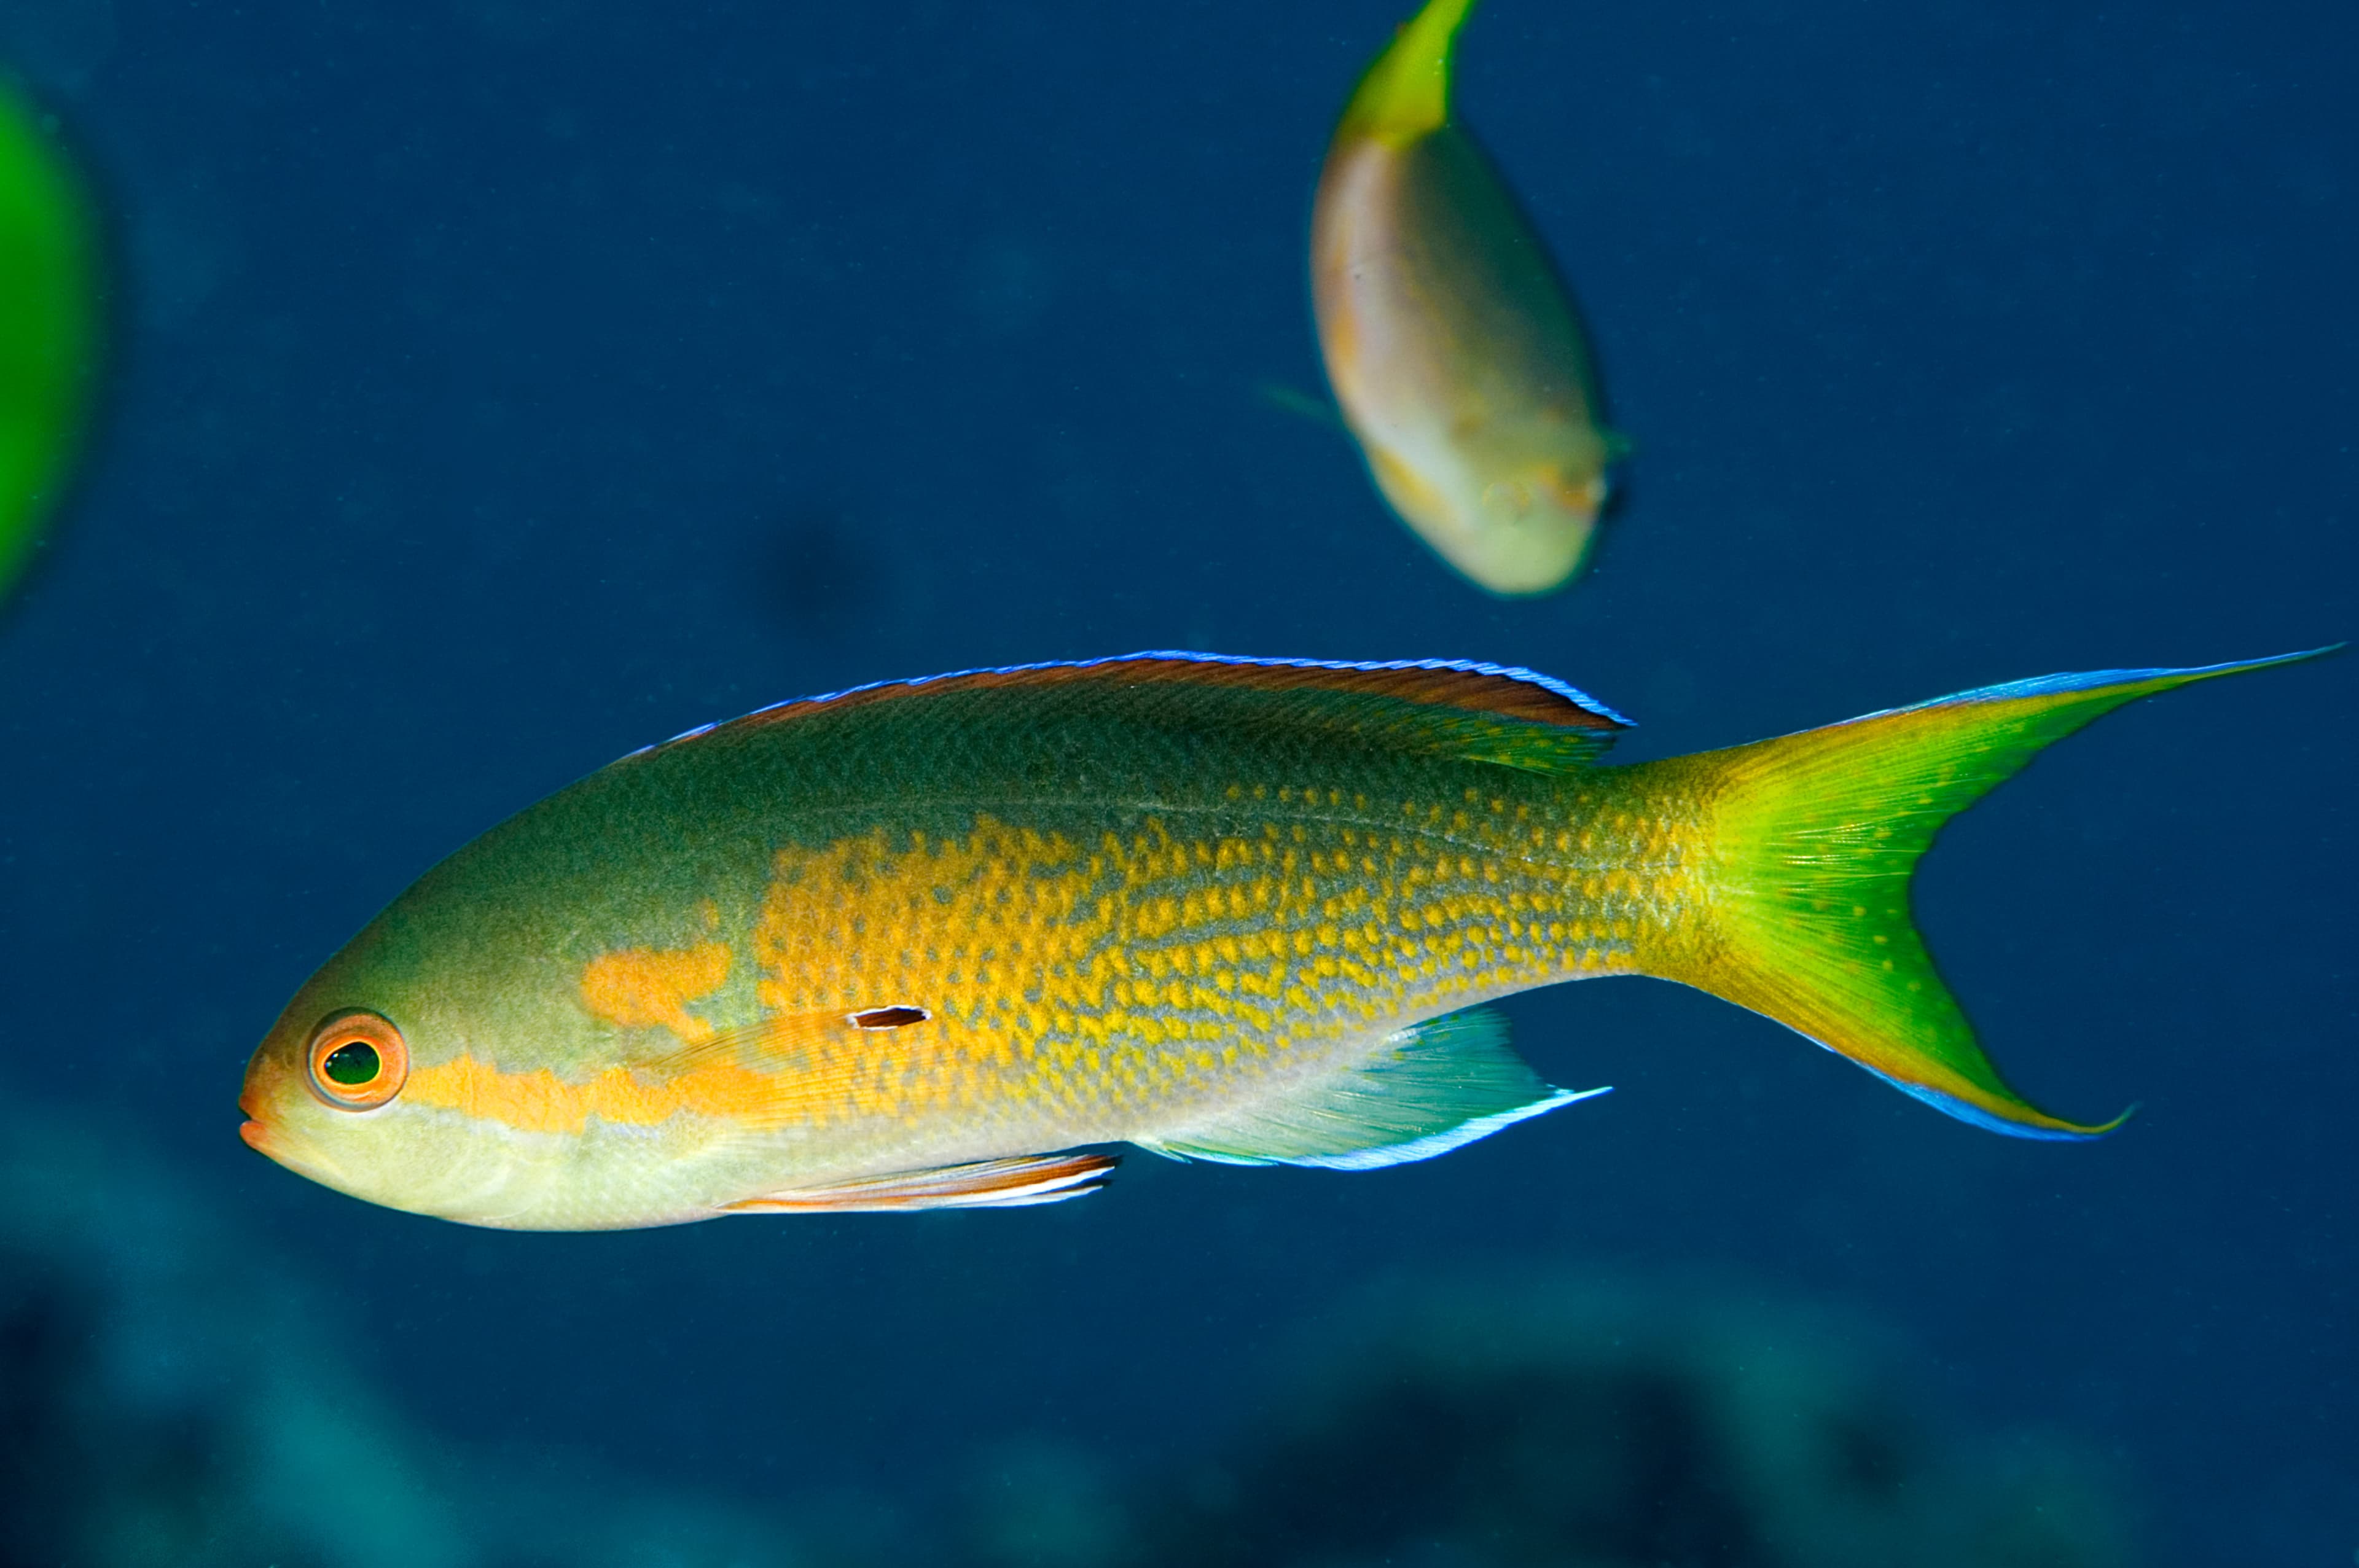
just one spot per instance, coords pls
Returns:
(48, 325)
(1453, 348)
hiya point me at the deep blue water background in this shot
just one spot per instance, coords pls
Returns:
(502, 386)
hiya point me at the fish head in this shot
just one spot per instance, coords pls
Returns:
(335, 1093)
(510, 1041)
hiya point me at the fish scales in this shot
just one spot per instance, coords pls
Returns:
(1198, 903)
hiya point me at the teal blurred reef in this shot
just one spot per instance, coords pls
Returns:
(173, 1391)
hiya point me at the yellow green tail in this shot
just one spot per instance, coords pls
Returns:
(1405, 95)
(1812, 840)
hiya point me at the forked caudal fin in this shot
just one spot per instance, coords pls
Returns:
(1811, 839)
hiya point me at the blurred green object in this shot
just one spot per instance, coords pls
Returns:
(48, 325)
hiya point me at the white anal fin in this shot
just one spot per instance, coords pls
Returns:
(991, 1184)
(1428, 1089)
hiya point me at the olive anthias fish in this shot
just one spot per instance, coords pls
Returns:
(920, 943)
(48, 325)
(1456, 356)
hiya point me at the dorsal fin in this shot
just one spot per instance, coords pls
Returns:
(1565, 723)
(1406, 93)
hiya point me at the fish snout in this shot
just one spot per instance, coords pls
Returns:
(258, 1100)
(253, 1131)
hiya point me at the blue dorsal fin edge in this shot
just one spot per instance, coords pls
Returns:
(1516, 672)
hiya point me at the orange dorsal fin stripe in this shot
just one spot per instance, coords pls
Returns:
(1500, 690)
(993, 1184)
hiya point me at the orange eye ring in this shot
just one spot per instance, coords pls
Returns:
(357, 1061)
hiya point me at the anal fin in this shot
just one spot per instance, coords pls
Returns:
(1430, 1088)
(1016, 1183)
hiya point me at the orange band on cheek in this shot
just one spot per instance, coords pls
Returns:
(538, 1100)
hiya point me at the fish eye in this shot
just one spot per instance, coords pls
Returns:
(358, 1061)
(351, 1063)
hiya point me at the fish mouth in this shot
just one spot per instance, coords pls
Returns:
(288, 1146)
(253, 1131)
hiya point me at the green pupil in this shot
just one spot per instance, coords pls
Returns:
(352, 1063)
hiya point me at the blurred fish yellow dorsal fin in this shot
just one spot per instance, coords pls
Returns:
(1405, 95)
(1018, 1183)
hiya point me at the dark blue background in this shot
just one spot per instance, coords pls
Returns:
(502, 386)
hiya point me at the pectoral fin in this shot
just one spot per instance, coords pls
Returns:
(991, 1183)
(1430, 1088)
(793, 1067)
(1302, 405)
